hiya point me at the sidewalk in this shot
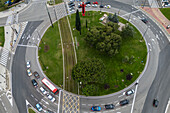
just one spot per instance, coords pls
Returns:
(12, 10)
(162, 21)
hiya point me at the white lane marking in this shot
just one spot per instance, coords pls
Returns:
(84, 104)
(32, 95)
(117, 104)
(45, 102)
(131, 12)
(118, 109)
(2, 103)
(36, 99)
(45, 106)
(120, 96)
(59, 101)
(90, 104)
(21, 45)
(28, 37)
(157, 37)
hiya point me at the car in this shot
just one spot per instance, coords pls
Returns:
(28, 64)
(129, 92)
(109, 106)
(34, 83)
(51, 98)
(168, 26)
(107, 6)
(96, 108)
(101, 6)
(88, 2)
(36, 75)
(95, 2)
(70, 3)
(29, 72)
(39, 107)
(144, 20)
(48, 111)
(94, 5)
(124, 102)
(43, 90)
(88, 5)
(155, 102)
(71, 8)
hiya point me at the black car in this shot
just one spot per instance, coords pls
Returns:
(34, 83)
(101, 6)
(88, 2)
(155, 103)
(144, 20)
(109, 106)
(70, 3)
(124, 102)
(36, 74)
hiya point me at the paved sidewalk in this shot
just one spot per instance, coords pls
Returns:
(13, 10)
(159, 17)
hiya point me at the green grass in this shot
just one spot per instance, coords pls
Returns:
(2, 7)
(58, 1)
(31, 111)
(113, 65)
(50, 55)
(2, 37)
(69, 56)
(166, 12)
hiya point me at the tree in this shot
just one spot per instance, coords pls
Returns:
(89, 71)
(115, 18)
(78, 24)
(127, 31)
(90, 90)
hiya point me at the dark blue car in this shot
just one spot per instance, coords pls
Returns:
(95, 108)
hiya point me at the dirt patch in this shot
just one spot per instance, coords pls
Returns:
(46, 48)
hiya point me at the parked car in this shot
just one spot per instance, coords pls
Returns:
(34, 83)
(124, 102)
(94, 5)
(88, 2)
(70, 3)
(144, 20)
(43, 90)
(51, 98)
(95, 2)
(36, 74)
(109, 106)
(101, 6)
(88, 5)
(28, 64)
(107, 6)
(95, 108)
(48, 111)
(155, 103)
(129, 92)
(29, 72)
(39, 107)
(168, 26)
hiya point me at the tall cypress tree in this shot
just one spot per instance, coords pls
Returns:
(86, 23)
(77, 20)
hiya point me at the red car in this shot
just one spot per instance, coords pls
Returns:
(95, 2)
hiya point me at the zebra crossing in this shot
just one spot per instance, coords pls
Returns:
(61, 11)
(4, 57)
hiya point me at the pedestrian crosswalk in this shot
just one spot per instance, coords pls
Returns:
(61, 11)
(4, 57)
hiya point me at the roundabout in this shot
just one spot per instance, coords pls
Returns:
(149, 83)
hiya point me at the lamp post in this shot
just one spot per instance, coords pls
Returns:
(101, 4)
(49, 15)
(55, 12)
(130, 14)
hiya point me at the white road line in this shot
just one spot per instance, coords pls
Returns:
(36, 99)
(2, 103)
(32, 95)
(90, 104)
(21, 45)
(83, 104)
(134, 97)
(59, 101)
(118, 109)
(120, 96)
(5, 108)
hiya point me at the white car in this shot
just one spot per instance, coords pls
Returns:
(107, 6)
(88, 5)
(51, 98)
(28, 64)
(29, 72)
(129, 92)
(43, 90)
(94, 5)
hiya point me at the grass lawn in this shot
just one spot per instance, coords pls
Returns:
(115, 78)
(2, 37)
(50, 55)
(166, 12)
(58, 1)
(69, 56)
(31, 111)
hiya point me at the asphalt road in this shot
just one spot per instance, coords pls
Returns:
(23, 89)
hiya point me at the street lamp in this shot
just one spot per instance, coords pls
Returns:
(99, 6)
(130, 14)
(55, 12)
(49, 15)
